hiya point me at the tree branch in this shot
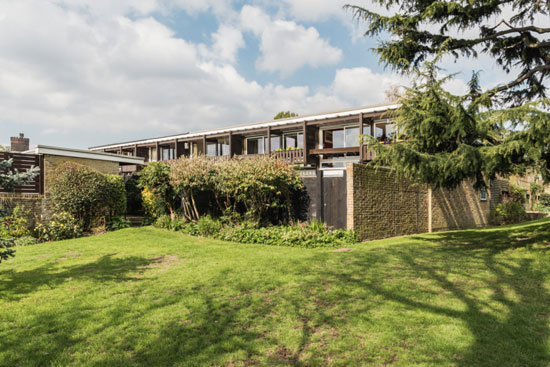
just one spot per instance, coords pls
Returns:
(520, 79)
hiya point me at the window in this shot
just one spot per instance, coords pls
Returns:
(168, 153)
(256, 145)
(352, 137)
(483, 194)
(275, 142)
(294, 140)
(153, 154)
(347, 137)
(218, 148)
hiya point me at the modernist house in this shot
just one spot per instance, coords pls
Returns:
(343, 192)
(325, 141)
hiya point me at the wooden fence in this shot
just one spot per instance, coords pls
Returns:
(22, 162)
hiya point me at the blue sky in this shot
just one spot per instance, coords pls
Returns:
(79, 73)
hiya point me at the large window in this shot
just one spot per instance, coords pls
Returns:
(168, 153)
(255, 145)
(294, 140)
(275, 142)
(218, 148)
(347, 137)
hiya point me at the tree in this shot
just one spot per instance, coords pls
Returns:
(451, 138)
(420, 30)
(284, 115)
(8, 179)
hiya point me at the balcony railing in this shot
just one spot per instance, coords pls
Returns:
(290, 156)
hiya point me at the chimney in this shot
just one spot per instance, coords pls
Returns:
(19, 144)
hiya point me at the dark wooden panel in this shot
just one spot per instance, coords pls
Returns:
(335, 201)
(22, 162)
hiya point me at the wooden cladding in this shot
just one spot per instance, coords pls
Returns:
(21, 163)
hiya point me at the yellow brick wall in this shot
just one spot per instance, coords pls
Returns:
(381, 205)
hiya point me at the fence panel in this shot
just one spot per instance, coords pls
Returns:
(21, 163)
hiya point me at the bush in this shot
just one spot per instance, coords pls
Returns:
(301, 235)
(208, 227)
(263, 189)
(26, 241)
(62, 226)
(115, 197)
(545, 200)
(15, 225)
(158, 194)
(508, 213)
(118, 222)
(517, 194)
(81, 192)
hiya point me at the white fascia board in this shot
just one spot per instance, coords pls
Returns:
(275, 123)
(86, 154)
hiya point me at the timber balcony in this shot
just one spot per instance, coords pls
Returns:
(294, 156)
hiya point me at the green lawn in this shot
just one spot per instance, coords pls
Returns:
(147, 297)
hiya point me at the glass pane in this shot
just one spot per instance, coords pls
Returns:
(225, 149)
(338, 140)
(352, 137)
(211, 149)
(301, 140)
(252, 146)
(379, 132)
(275, 143)
(290, 141)
(390, 131)
(366, 130)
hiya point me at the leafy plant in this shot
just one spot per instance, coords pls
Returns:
(5, 249)
(80, 191)
(62, 226)
(517, 194)
(154, 179)
(115, 197)
(16, 224)
(25, 241)
(10, 177)
(508, 213)
(117, 222)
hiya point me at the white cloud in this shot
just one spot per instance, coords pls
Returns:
(287, 46)
(227, 41)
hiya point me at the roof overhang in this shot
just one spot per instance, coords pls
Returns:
(244, 128)
(85, 154)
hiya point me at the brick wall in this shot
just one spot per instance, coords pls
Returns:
(38, 207)
(381, 205)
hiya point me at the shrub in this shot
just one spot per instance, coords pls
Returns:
(5, 249)
(545, 200)
(26, 241)
(508, 213)
(517, 194)
(15, 225)
(208, 227)
(115, 197)
(155, 182)
(62, 226)
(80, 191)
(189, 177)
(118, 222)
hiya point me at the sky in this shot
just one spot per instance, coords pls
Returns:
(80, 73)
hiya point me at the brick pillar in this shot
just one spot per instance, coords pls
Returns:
(349, 197)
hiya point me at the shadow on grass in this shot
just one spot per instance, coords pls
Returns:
(16, 284)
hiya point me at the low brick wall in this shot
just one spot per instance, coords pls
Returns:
(38, 206)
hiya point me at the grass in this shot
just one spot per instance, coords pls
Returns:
(147, 297)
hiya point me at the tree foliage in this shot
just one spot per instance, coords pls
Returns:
(421, 29)
(449, 139)
(11, 177)
(284, 115)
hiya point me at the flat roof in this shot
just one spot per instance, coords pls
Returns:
(86, 154)
(250, 126)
